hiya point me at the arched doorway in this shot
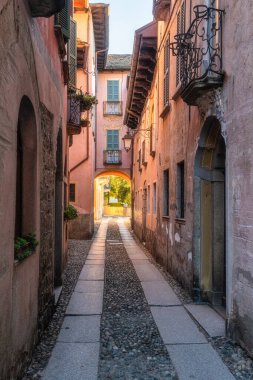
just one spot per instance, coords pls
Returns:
(209, 217)
(102, 186)
(26, 174)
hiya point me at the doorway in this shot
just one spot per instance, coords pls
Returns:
(209, 218)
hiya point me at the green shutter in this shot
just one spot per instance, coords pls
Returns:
(113, 90)
(63, 19)
(72, 53)
(112, 140)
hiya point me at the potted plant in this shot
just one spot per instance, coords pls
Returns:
(85, 123)
(86, 101)
(24, 246)
(70, 213)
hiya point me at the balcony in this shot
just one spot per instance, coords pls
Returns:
(112, 157)
(46, 8)
(200, 53)
(160, 9)
(113, 108)
(74, 114)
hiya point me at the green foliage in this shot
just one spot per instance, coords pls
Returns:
(120, 189)
(86, 101)
(115, 204)
(24, 246)
(70, 213)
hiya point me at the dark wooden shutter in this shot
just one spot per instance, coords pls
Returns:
(63, 19)
(180, 29)
(72, 53)
(166, 73)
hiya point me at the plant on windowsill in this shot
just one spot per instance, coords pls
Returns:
(24, 246)
(86, 101)
(70, 213)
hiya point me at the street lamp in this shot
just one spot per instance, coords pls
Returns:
(129, 136)
(127, 140)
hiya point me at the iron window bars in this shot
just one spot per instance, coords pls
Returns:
(201, 46)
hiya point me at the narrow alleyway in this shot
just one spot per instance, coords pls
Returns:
(124, 321)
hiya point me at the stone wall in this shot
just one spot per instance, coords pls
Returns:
(47, 207)
(82, 228)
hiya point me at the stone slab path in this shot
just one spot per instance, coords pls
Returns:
(112, 331)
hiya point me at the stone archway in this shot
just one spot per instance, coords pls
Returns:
(209, 216)
(99, 182)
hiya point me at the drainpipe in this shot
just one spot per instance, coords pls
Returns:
(96, 91)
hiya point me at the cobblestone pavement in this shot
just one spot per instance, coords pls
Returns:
(128, 319)
(131, 346)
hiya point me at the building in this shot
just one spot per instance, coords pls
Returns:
(191, 111)
(111, 158)
(33, 171)
(92, 21)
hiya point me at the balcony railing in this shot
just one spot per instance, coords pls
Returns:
(112, 157)
(74, 113)
(113, 108)
(46, 8)
(200, 50)
(160, 9)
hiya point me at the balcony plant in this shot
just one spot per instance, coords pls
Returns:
(84, 122)
(24, 246)
(87, 101)
(70, 213)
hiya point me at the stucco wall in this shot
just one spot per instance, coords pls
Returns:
(178, 135)
(30, 66)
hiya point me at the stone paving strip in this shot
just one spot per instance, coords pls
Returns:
(76, 353)
(189, 349)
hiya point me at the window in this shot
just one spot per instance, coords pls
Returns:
(154, 198)
(112, 90)
(180, 29)
(148, 200)
(180, 190)
(143, 159)
(63, 19)
(72, 192)
(113, 139)
(166, 192)
(166, 73)
(139, 160)
(72, 53)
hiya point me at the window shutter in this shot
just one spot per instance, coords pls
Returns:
(113, 90)
(116, 140)
(112, 140)
(72, 53)
(180, 29)
(166, 73)
(63, 19)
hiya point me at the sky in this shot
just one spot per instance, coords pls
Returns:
(125, 17)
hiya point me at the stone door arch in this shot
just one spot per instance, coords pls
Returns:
(209, 216)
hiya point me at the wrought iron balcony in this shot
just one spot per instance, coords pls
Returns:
(112, 157)
(113, 108)
(160, 9)
(46, 8)
(200, 53)
(74, 113)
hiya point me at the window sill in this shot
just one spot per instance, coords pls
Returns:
(18, 262)
(166, 217)
(165, 111)
(180, 220)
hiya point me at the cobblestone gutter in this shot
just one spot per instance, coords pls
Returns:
(131, 347)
